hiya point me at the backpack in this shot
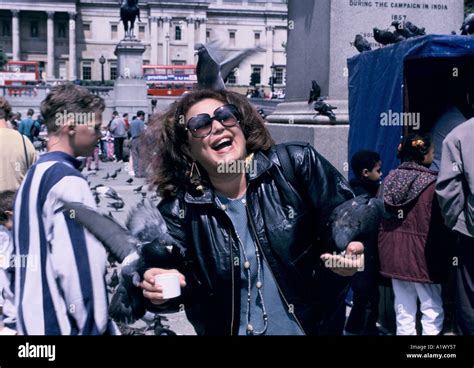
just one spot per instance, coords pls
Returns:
(34, 130)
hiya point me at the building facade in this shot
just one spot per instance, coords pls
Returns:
(68, 37)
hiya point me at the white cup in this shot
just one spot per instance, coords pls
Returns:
(170, 284)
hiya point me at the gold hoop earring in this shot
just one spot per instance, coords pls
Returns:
(191, 175)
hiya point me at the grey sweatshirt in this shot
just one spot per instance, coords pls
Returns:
(455, 184)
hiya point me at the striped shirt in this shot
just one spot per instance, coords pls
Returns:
(60, 276)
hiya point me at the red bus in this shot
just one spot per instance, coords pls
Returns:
(18, 73)
(169, 80)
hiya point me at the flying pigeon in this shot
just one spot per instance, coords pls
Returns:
(355, 218)
(467, 27)
(144, 244)
(212, 69)
(361, 44)
(385, 37)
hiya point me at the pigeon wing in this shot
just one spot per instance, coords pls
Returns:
(234, 61)
(114, 237)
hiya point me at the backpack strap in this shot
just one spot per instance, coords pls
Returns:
(26, 153)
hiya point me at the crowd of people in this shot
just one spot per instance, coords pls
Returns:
(254, 244)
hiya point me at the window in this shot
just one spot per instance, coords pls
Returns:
(87, 30)
(279, 75)
(61, 30)
(232, 38)
(86, 70)
(208, 35)
(6, 28)
(114, 31)
(257, 74)
(34, 32)
(177, 33)
(141, 32)
(232, 78)
(113, 70)
(257, 38)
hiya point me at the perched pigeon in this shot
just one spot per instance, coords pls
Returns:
(414, 29)
(212, 69)
(355, 218)
(467, 27)
(145, 244)
(385, 37)
(361, 44)
(315, 92)
(401, 29)
(323, 108)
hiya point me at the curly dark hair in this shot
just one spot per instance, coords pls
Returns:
(414, 147)
(166, 139)
(5, 109)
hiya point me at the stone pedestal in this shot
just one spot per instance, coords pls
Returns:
(130, 87)
(320, 40)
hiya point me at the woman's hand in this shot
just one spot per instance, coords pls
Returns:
(347, 263)
(155, 292)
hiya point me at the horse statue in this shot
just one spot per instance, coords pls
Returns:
(129, 12)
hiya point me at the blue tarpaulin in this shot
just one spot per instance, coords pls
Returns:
(376, 87)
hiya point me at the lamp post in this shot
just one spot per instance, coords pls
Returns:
(102, 62)
(273, 69)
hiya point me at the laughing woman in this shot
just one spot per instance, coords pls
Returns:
(254, 227)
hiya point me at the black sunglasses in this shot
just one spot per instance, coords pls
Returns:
(200, 125)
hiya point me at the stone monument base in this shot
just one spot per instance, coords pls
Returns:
(130, 87)
(298, 121)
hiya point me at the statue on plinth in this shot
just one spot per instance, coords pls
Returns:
(129, 12)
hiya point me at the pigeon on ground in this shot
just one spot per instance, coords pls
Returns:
(108, 192)
(97, 199)
(315, 92)
(114, 175)
(129, 181)
(467, 27)
(117, 205)
(361, 44)
(355, 218)
(138, 189)
(385, 37)
(213, 68)
(106, 177)
(144, 244)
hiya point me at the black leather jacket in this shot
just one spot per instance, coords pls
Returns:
(291, 228)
